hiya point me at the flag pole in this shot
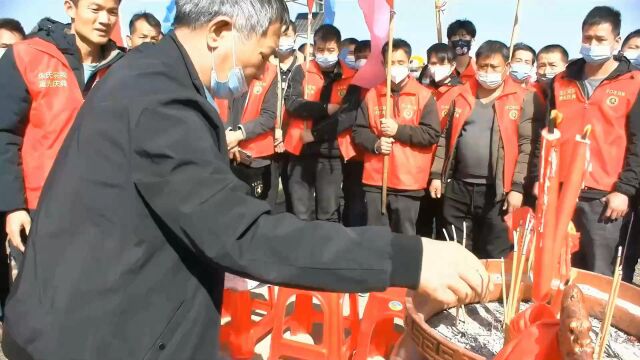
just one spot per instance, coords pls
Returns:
(387, 109)
(308, 50)
(438, 4)
(515, 31)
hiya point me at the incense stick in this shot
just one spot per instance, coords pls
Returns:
(514, 262)
(445, 234)
(504, 290)
(455, 236)
(603, 336)
(515, 305)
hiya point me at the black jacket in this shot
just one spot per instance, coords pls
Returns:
(15, 102)
(141, 217)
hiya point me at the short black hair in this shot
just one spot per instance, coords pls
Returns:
(326, 33)
(458, 25)
(604, 15)
(291, 25)
(148, 18)
(12, 25)
(522, 46)
(362, 46)
(554, 48)
(632, 35)
(398, 44)
(348, 42)
(493, 47)
(443, 52)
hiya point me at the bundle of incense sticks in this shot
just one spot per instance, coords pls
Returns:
(521, 244)
(603, 336)
(461, 314)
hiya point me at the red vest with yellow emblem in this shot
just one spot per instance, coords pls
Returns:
(444, 96)
(56, 98)
(261, 145)
(409, 166)
(508, 109)
(606, 111)
(314, 81)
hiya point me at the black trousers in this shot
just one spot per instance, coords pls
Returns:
(355, 209)
(599, 239)
(402, 212)
(320, 176)
(279, 173)
(476, 205)
(5, 265)
(430, 221)
(632, 253)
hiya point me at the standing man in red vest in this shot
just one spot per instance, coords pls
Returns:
(314, 94)
(461, 35)
(250, 120)
(407, 137)
(43, 83)
(484, 155)
(601, 90)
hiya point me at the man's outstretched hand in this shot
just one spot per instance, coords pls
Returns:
(451, 275)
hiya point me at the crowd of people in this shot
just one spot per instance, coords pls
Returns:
(454, 155)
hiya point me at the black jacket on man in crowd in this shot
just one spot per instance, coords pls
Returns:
(141, 217)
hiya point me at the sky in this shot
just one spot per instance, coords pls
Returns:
(542, 22)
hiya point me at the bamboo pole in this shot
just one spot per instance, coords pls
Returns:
(387, 110)
(504, 292)
(515, 31)
(307, 56)
(278, 130)
(605, 328)
(438, 4)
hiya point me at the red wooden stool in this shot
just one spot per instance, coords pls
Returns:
(335, 345)
(241, 334)
(377, 331)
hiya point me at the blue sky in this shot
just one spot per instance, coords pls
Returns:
(542, 21)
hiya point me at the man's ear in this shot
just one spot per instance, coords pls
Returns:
(129, 41)
(70, 9)
(217, 30)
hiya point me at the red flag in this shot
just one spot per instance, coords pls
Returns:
(376, 15)
(310, 5)
(390, 2)
(116, 34)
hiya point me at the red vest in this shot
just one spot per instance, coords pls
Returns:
(314, 81)
(469, 72)
(408, 166)
(261, 145)
(55, 101)
(508, 108)
(444, 95)
(606, 111)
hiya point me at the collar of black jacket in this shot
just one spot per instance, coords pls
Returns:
(575, 69)
(59, 35)
(172, 40)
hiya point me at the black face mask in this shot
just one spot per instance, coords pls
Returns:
(461, 47)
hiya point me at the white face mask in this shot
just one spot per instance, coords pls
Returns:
(521, 71)
(633, 56)
(360, 63)
(399, 73)
(596, 54)
(286, 45)
(489, 80)
(440, 72)
(2, 51)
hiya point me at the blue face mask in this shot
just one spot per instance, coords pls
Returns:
(595, 54)
(326, 61)
(633, 56)
(520, 71)
(236, 84)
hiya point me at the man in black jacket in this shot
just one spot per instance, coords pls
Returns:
(141, 215)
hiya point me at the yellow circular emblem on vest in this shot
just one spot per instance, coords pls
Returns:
(513, 114)
(408, 114)
(257, 90)
(612, 100)
(444, 112)
(342, 92)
